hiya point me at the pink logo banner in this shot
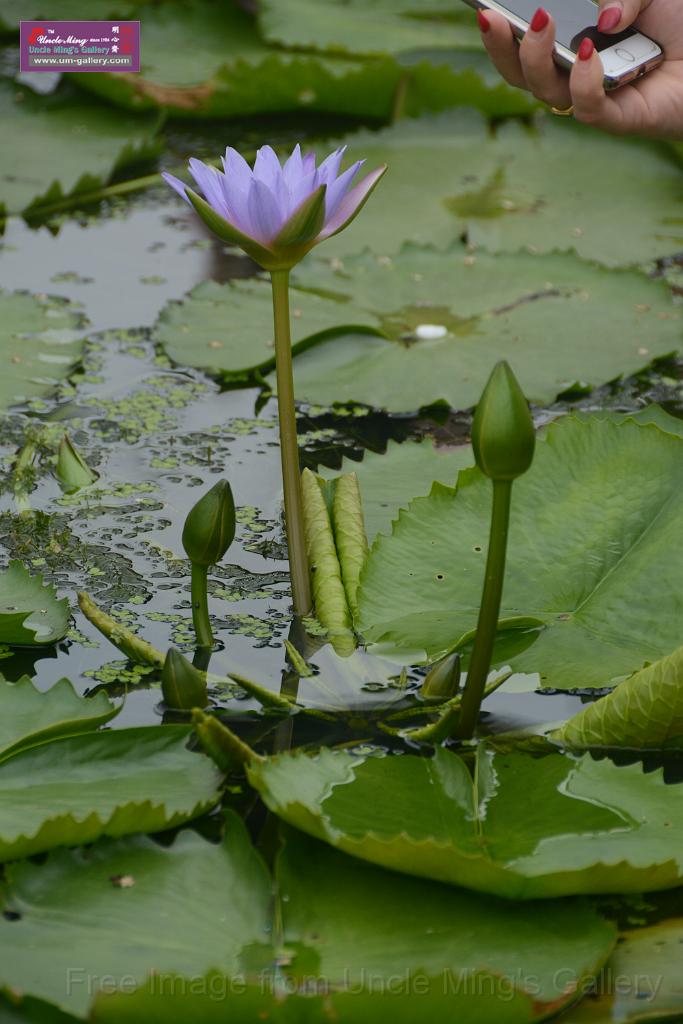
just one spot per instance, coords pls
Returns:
(79, 45)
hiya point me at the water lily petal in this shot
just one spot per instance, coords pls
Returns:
(308, 163)
(329, 168)
(303, 188)
(267, 168)
(237, 170)
(265, 217)
(338, 189)
(208, 180)
(352, 203)
(291, 172)
(176, 184)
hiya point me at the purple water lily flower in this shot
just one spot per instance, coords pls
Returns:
(275, 212)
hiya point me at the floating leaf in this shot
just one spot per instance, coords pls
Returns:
(645, 712)
(427, 326)
(106, 783)
(541, 188)
(449, 317)
(602, 506)
(640, 982)
(196, 930)
(389, 26)
(88, 144)
(29, 716)
(226, 327)
(520, 828)
(30, 612)
(230, 72)
(41, 339)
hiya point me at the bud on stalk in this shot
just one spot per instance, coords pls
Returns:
(503, 440)
(208, 533)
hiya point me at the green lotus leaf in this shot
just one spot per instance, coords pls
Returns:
(518, 827)
(30, 612)
(101, 784)
(645, 712)
(596, 529)
(29, 716)
(350, 539)
(88, 145)
(41, 338)
(202, 930)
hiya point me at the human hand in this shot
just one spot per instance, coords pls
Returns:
(652, 105)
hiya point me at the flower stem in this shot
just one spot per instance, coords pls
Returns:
(200, 606)
(487, 625)
(289, 449)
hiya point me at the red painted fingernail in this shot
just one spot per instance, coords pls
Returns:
(484, 23)
(609, 19)
(539, 20)
(587, 49)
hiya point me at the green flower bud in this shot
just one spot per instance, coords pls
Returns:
(210, 526)
(72, 470)
(183, 686)
(443, 679)
(503, 436)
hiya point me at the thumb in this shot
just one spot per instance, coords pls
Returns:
(616, 15)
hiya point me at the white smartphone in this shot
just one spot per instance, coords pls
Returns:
(625, 56)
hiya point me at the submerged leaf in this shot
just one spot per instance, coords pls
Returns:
(521, 827)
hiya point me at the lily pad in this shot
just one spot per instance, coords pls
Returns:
(427, 326)
(390, 481)
(101, 783)
(601, 505)
(541, 188)
(517, 827)
(28, 716)
(88, 145)
(228, 328)
(41, 338)
(198, 932)
(354, 26)
(640, 982)
(30, 612)
(230, 72)
(447, 318)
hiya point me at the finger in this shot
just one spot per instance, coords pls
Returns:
(502, 46)
(592, 104)
(616, 15)
(543, 77)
